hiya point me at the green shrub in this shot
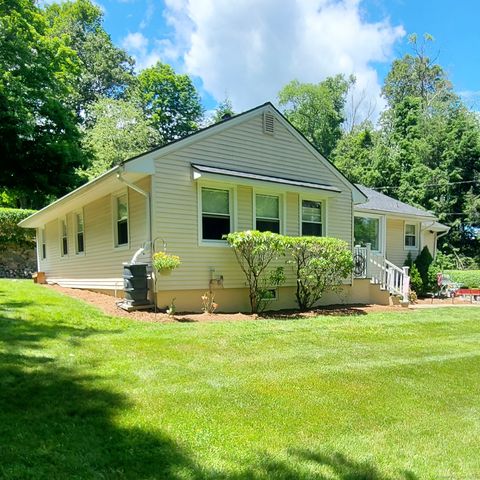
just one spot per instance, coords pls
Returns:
(10, 233)
(416, 283)
(423, 262)
(467, 278)
(255, 251)
(320, 263)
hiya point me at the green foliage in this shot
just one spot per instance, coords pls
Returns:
(119, 131)
(104, 69)
(320, 263)
(416, 283)
(165, 261)
(426, 149)
(317, 110)
(169, 100)
(224, 110)
(255, 251)
(467, 278)
(423, 262)
(39, 138)
(10, 233)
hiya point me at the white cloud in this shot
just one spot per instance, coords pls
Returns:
(252, 48)
(136, 42)
(138, 45)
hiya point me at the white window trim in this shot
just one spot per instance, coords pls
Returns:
(114, 197)
(60, 229)
(43, 242)
(324, 202)
(382, 234)
(232, 205)
(281, 207)
(408, 247)
(75, 213)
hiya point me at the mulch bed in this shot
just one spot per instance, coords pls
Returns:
(108, 304)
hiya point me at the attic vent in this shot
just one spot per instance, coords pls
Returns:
(268, 123)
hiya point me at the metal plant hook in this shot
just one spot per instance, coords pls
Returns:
(163, 242)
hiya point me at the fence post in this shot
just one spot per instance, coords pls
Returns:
(405, 284)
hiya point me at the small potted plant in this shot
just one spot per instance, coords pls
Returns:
(164, 263)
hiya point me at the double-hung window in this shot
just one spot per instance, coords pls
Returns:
(410, 236)
(79, 233)
(216, 215)
(312, 221)
(121, 220)
(267, 213)
(64, 237)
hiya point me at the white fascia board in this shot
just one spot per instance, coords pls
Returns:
(144, 164)
(91, 191)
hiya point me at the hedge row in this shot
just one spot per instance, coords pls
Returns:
(467, 278)
(10, 233)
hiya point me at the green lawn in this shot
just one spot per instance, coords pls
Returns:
(380, 396)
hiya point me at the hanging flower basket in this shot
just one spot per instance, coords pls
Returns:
(164, 263)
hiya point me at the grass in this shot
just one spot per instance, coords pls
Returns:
(381, 396)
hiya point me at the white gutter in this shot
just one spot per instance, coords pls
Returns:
(148, 210)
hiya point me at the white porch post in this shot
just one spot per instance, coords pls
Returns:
(406, 284)
(367, 259)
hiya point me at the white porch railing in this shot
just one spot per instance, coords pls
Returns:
(373, 265)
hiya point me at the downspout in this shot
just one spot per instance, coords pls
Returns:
(148, 212)
(436, 241)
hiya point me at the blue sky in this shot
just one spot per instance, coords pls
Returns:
(248, 49)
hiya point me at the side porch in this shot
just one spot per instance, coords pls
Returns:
(374, 266)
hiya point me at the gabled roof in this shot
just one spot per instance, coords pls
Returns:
(381, 203)
(162, 150)
(143, 164)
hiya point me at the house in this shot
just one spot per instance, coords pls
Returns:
(252, 171)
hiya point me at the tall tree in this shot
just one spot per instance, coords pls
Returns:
(104, 69)
(119, 131)
(170, 101)
(317, 110)
(426, 150)
(39, 139)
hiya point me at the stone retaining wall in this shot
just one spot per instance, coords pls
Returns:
(17, 262)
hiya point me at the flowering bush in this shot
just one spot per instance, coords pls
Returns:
(165, 261)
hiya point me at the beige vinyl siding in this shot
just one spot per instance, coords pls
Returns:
(245, 208)
(395, 246)
(293, 210)
(101, 259)
(428, 239)
(246, 148)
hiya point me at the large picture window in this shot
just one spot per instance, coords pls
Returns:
(312, 223)
(267, 213)
(215, 213)
(367, 230)
(121, 222)
(410, 236)
(79, 233)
